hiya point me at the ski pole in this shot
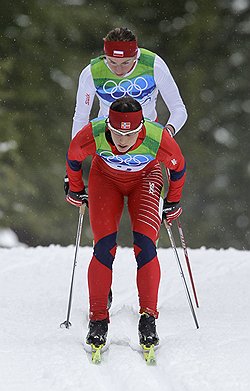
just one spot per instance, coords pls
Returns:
(184, 246)
(67, 323)
(171, 237)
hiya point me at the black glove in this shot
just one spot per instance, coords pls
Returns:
(77, 198)
(66, 184)
(171, 211)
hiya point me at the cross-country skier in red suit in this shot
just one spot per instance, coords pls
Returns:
(127, 151)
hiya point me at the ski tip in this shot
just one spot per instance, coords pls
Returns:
(149, 354)
(96, 353)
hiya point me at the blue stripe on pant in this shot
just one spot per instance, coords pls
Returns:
(102, 250)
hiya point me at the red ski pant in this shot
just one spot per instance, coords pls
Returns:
(106, 202)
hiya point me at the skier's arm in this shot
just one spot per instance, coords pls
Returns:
(170, 94)
(84, 100)
(82, 145)
(171, 156)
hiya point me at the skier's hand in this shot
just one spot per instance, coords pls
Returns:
(171, 211)
(77, 198)
(66, 184)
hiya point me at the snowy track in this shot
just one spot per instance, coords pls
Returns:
(35, 354)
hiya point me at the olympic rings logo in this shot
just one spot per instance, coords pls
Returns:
(128, 160)
(125, 87)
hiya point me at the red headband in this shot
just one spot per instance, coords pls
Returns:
(120, 48)
(125, 121)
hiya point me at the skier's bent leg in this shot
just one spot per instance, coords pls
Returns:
(100, 276)
(148, 273)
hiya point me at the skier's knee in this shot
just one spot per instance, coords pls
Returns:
(105, 250)
(144, 248)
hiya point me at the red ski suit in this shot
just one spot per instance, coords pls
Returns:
(107, 188)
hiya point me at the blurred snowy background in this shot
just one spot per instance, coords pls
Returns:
(44, 46)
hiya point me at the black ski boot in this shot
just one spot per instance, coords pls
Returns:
(147, 330)
(98, 330)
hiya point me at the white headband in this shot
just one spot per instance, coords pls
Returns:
(123, 133)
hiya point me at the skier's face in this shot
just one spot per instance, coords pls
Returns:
(124, 142)
(120, 66)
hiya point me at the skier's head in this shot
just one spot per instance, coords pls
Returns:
(120, 48)
(125, 115)
(125, 121)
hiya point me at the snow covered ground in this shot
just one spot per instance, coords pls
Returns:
(36, 354)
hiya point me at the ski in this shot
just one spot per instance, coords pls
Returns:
(149, 354)
(96, 353)
(147, 350)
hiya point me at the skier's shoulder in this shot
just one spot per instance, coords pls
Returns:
(149, 124)
(97, 60)
(85, 72)
(86, 79)
(146, 54)
(146, 51)
(87, 69)
(154, 131)
(159, 63)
